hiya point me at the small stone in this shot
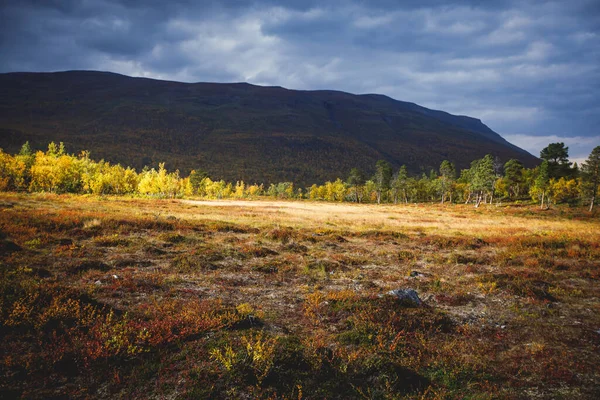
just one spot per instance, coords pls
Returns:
(6, 246)
(89, 265)
(408, 297)
(65, 242)
(98, 283)
(115, 277)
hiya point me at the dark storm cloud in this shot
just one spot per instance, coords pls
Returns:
(530, 69)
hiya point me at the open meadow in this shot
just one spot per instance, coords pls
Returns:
(112, 297)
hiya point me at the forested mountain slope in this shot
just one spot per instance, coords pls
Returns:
(236, 131)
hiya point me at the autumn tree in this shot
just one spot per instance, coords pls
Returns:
(564, 190)
(160, 183)
(216, 189)
(255, 190)
(591, 175)
(240, 190)
(12, 172)
(370, 190)
(335, 191)
(56, 171)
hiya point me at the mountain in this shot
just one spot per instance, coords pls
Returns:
(236, 130)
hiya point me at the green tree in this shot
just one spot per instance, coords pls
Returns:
(425, 189)
(196, 178)
(590, 170)
(446, 179)
(541, 184)
(26, 149)
(281, 190)
(27, 157)
(465, 183)
(382, 178)
(483, 178)
(400, 184)
(513, 177)
(54, 150)
(557, 156)
(356, 180)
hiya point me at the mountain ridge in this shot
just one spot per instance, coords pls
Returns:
(237, 130)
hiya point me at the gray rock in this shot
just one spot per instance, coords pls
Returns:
(407, 297)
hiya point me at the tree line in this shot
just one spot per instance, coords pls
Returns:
(554, 181)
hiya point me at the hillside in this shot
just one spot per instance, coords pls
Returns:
(236, 131)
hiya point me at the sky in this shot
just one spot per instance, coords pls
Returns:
(530, 70)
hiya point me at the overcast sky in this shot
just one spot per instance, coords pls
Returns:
(528, 69)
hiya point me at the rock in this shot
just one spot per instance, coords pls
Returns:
(90, 265)
(407, 297)
(6, 246)
(41, 272)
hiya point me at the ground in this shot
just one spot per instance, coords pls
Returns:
(144, 298)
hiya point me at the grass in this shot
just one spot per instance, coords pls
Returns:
(133, 298)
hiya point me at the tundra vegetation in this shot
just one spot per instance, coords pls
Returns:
(152, 296)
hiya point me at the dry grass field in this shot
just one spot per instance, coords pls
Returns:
(139, 298)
